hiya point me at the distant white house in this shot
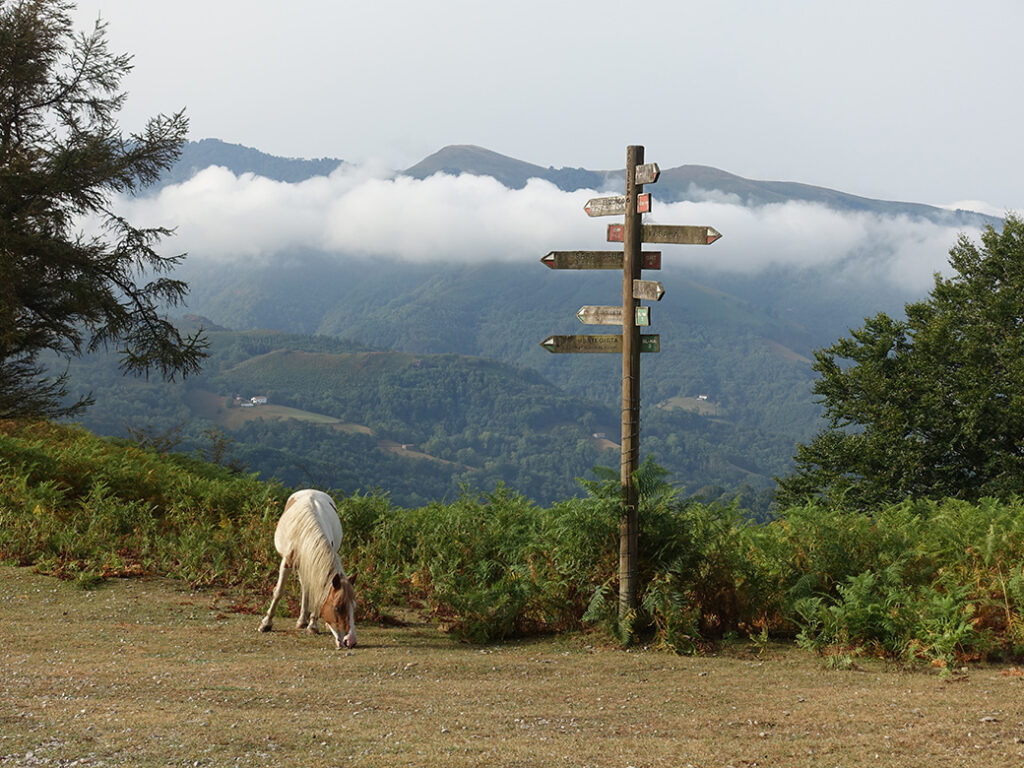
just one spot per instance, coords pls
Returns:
(259, 400)
(702, 397)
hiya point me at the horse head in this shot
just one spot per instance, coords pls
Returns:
(338, 611)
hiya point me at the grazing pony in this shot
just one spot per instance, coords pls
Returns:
(308, 536)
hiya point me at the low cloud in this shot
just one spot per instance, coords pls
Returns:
(363, 211)
(899, 249)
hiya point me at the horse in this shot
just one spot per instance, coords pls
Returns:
(308, 537)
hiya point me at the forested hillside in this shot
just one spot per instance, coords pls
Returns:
(342, 416)
(749, 355)
(418, 426)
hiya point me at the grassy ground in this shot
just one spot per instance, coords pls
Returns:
(140, 673)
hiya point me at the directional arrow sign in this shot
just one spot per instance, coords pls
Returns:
(616, 205)
(667, 233)
(596, 315)
(649, 290)
(647, 173)
(606, 206)
(591, 315)
(597, 260)
(681, 235)
(606, 343)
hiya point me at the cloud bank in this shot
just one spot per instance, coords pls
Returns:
(361, 211)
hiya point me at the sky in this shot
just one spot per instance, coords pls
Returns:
(905, 100)
(914, 100)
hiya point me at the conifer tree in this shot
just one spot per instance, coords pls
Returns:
(63, 158)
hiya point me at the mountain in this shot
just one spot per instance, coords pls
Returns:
(512, 173)
(685, 182)
(197, 155)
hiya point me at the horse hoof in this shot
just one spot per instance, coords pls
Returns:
(263, 627)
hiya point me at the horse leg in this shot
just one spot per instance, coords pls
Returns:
(349, 640)
(308, 617)
(268, 620)
(310, 623)
(303, 609)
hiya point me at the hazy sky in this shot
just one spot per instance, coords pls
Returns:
(915, 100)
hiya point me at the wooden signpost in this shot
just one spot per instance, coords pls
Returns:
(631, 316)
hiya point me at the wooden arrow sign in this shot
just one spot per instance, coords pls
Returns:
(597, 260)
(667, 233)
(616, 205)
(647, 173)
(648, 290)
(596, 315)
(680, 235)
(599, 344)
(591, 315)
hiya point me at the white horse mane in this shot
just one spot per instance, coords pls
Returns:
(313, 556)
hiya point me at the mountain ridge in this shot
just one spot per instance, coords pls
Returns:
(680, 183)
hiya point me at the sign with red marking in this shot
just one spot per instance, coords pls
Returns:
(616, 205)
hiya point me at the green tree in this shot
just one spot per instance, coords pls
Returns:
(930, 406)
(62, 158)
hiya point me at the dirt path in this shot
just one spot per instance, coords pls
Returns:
(140, 673)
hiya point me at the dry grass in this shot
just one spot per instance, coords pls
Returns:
(139, 673)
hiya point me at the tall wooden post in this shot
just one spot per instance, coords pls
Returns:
(629, 520)
(632, 233)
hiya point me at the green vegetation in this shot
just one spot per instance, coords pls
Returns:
(938, 581)
(419, 427)
(79, 506)
(931, 406)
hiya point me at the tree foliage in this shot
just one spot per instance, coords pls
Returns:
(930, 406)
(62, 158)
